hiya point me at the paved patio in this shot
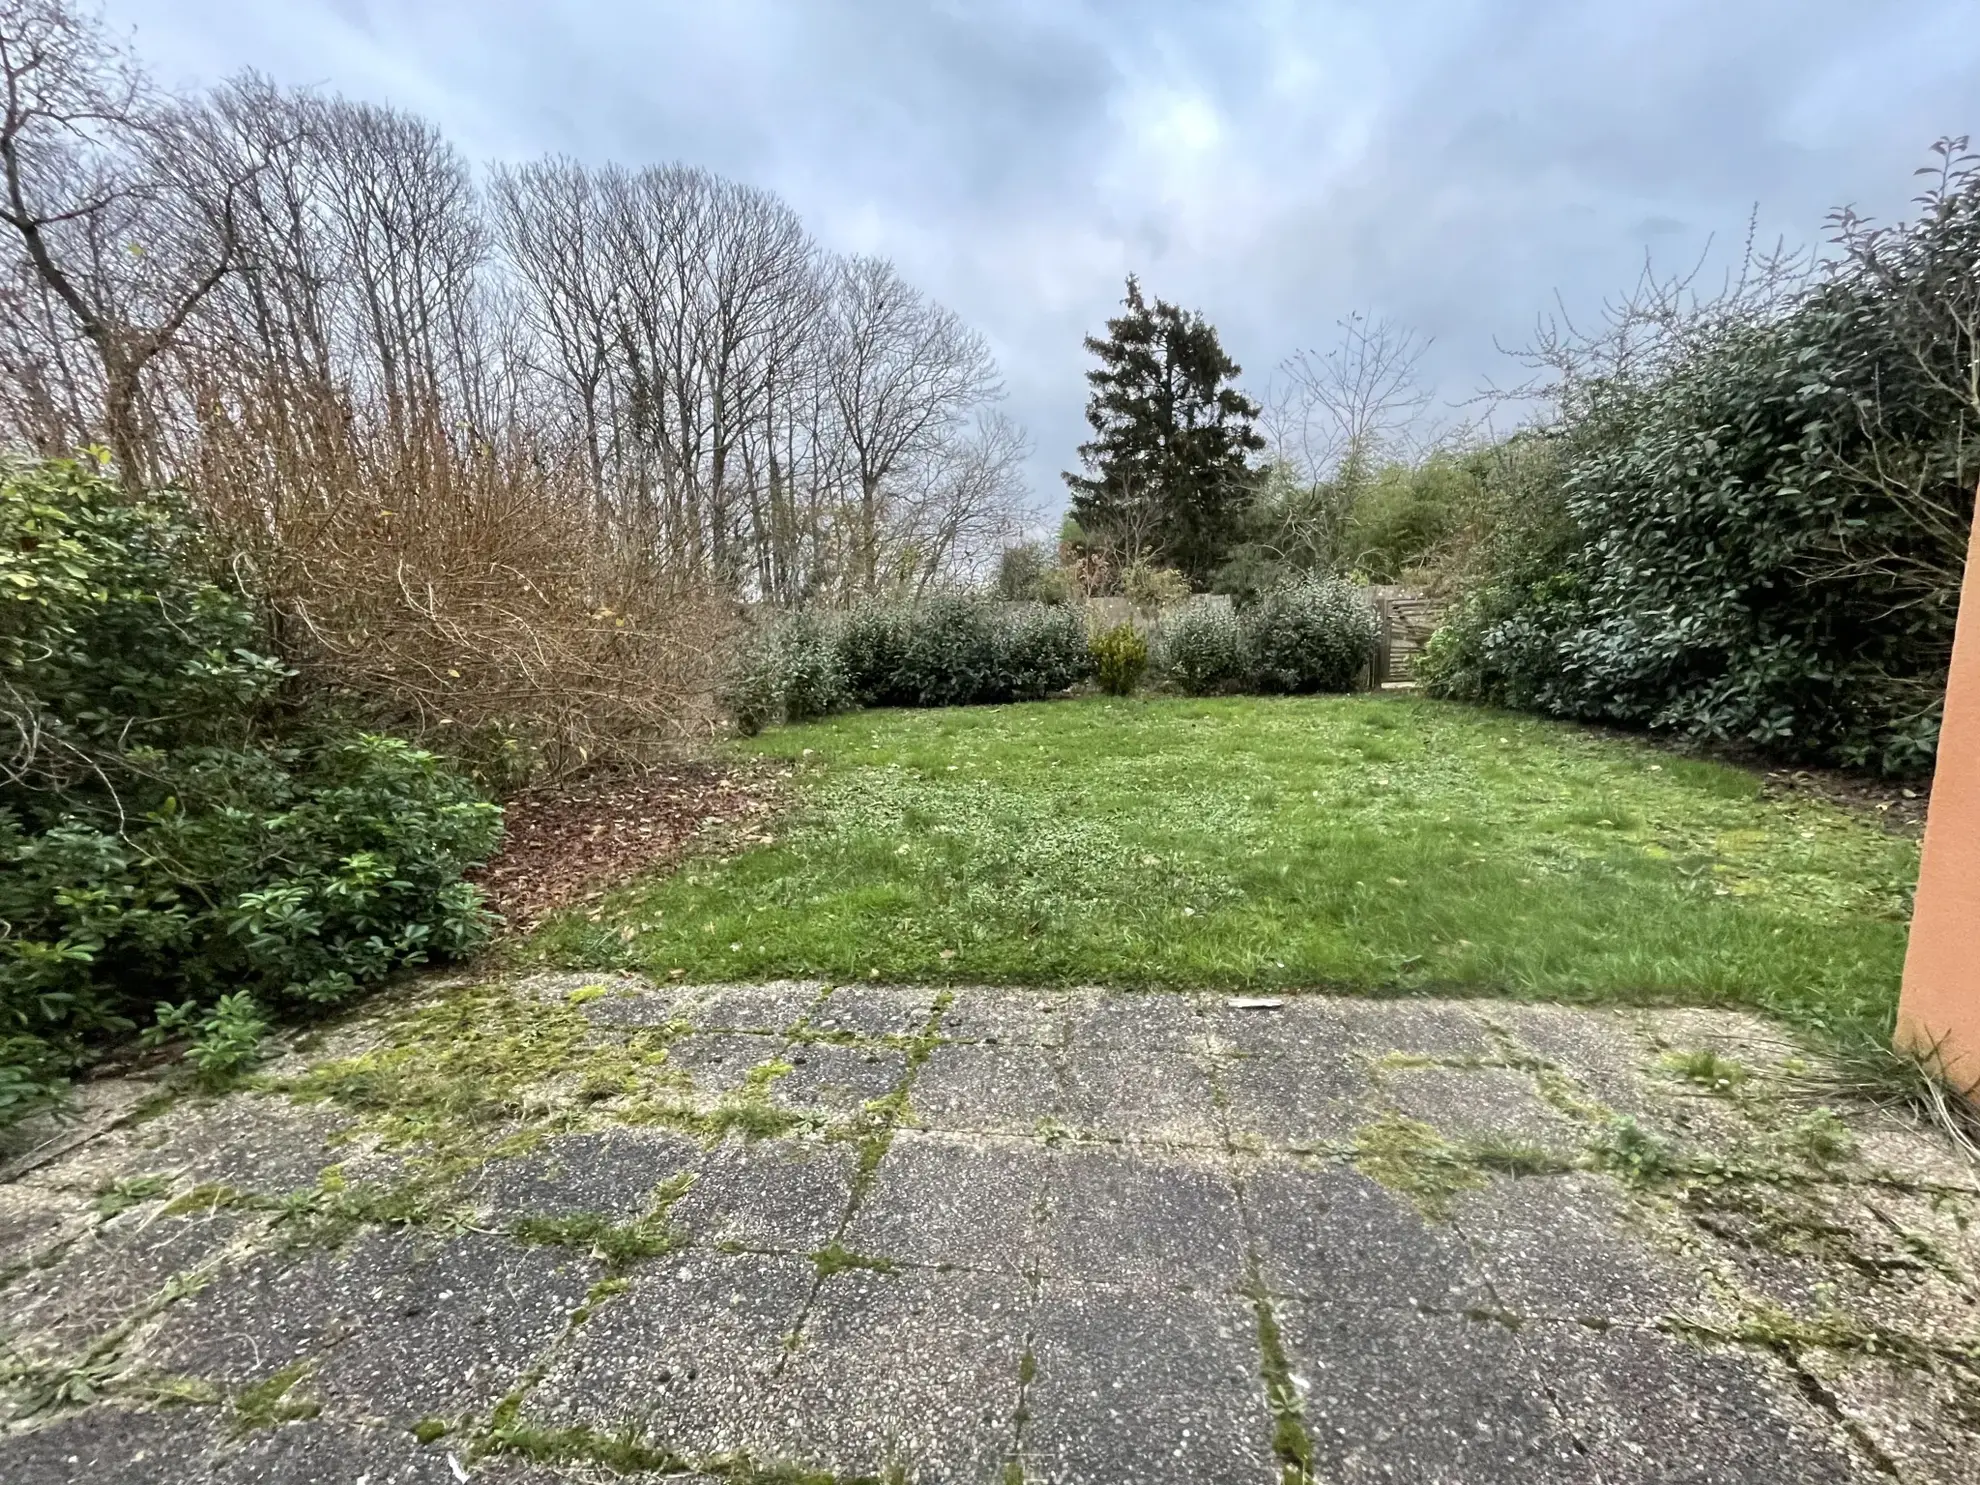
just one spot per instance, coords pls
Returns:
(573, 1229)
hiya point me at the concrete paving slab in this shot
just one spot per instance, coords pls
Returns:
(637, 1004)
(1141, 1219)
(772, 1008)
(1392, 1394)
(783, 1194)
(320, 1449)
(1482, 1103)
(610, 1172)
(1001, 1017)
(1006, 1088)
(941, 1200)
(443, 1331)
(1564, 1247)
(1135, 1385)
(110, 1443)
(874, 1011)
(1602, 1051)
(1159, 1021)
(1122, 1093)
(1298, 1099)
(36, 1219)
(1644, 1407)
(111, 1274)
(912, 1371)
(1299, 1026)
(829, 1079)
(275, 1309)
(1918, 1421)
(1330, 1233)
(686, 1356)
(1422, 1028)
(718, 1061)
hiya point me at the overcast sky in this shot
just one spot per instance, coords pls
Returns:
(1448, 163)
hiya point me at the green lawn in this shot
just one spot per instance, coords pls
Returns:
(1375, 843)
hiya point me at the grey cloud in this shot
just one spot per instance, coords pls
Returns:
(1452, 163)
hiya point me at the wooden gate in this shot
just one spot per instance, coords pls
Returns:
(1404, 619)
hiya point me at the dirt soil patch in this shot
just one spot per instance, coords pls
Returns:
(569, 841)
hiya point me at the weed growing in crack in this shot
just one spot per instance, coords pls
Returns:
(1632, 1152)
(273, 1401)
(1290, 1441)
(130, 1191)
(1511, 1157)
(1821, 1138)
(1710, 1071)
(618, 1245)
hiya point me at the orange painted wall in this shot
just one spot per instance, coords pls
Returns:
(1940, 1007)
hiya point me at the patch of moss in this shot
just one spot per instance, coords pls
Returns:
(1766, 1325)
(1414, 1161)
(627, 1451)
(618, 1245)
(1290, 1441)
(203, 1199)
(835, 1258)
(429, 1429)
(624, 1451)
(1514, 1157)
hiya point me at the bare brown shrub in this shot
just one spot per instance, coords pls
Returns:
(460, 584)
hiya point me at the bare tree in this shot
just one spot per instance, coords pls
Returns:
(904, 373)
(112, 193)
(1341, 414)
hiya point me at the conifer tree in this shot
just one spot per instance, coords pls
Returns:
(1167, 471)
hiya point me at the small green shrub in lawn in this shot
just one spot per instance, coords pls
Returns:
(1201, 650)
(1045, 651)
(872, 644)
(162, 850)
(1312, 635)
(1120, 656)
(952, 652)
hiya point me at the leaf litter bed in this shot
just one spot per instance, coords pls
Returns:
(566, 842)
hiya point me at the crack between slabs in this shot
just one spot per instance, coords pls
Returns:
(873, 1149)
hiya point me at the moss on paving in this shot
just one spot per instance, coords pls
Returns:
(618, 1245)
(1418, 1164)
(1357, 842)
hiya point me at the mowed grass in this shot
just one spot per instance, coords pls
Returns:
(1375, 843)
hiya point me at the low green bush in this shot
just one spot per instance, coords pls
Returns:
(163, 847)
(951, 650)
(789, 671)
(1044, 652)
(1314, 634)
(1120, 657)
(872, 646)
(1202, 652)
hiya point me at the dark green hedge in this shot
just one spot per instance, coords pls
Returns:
(165, 846)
